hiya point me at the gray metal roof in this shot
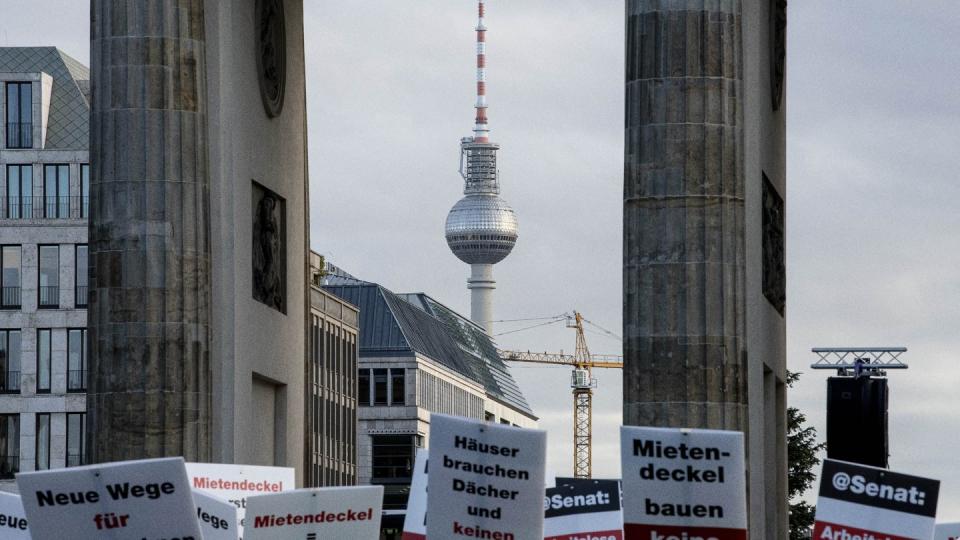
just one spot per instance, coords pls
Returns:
(402, 325)
(68, 126)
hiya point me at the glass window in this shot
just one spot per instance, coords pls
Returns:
(49, 276)
(43, 360)
(10, 277)
(393, 458)
(397, 386)
(76, 360)
(84, 190)
(76, 438)
(19, 196)
(10, 361)
(82, 275)
(9, 445)
(19, 115)
(56, 191)
(380, 387)
(43, 441)
(363, 387)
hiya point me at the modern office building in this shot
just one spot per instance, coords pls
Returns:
(44, 190)
(417, 357)
(331, 392)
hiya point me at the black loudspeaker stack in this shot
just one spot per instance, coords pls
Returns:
(857, 420)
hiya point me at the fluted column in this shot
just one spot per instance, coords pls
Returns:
(149, 381)
(684, 305)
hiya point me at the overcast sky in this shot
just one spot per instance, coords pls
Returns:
(872, 195)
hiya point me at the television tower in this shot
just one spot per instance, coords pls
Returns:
(481, 228)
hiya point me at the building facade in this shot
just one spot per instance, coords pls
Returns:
(418, 357)
(331, 408)
(44, 205)
(704, 235)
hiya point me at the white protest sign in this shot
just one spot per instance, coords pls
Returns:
(683, 483)
(947, 531)
(857, 501)
(485, 480)
(13, 520)
(234, 483)
(588, 509)
(148, 499)
(316, 514)
(217, 517)
(414, 523)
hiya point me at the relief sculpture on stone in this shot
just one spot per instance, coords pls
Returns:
(269, 250)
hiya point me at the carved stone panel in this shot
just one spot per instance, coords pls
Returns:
(778, 50)
(271, 42)
(774, 248)
(269, 248)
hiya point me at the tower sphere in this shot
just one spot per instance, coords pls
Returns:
(481, 229)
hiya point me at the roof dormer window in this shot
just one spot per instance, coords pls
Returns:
(19, 117)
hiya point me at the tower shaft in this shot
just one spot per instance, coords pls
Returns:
(481, 285)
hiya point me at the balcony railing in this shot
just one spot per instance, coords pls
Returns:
(77, 380)
(50, 297)
(80, 296)
(74, 460)
(10, 382)
(10, 297)
(19, 135)
(9, 466)
(27, 207)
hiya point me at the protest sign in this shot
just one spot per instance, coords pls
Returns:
(148, 499)
(217, 517)
(13, 520)
(234, 483)
(485, 480)
(583, 508)
(316, 514)
(857, 501)
(680, 483)
(947, 531)
(415, 522)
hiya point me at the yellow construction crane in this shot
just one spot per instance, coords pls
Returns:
(582, 382)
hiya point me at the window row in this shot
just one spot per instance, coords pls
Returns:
(10, 447)
(55, 198)
(381, 387)
(48, 276)
(11, 360)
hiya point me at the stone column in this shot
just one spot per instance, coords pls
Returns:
(149, 382)
(683, 277)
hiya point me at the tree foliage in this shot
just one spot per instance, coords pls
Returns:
(802, 460)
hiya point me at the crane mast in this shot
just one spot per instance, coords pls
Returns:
(582, 383)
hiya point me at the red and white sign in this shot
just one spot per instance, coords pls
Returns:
(947, 531)
(415, 522)
(858, 502)
(585, 509)
(485, 480)
(13, 520)
(316, 514)
(147, 499)
(234, 483)
(217, 517)
(683, 483)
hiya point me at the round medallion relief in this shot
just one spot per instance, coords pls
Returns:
(271, 43)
